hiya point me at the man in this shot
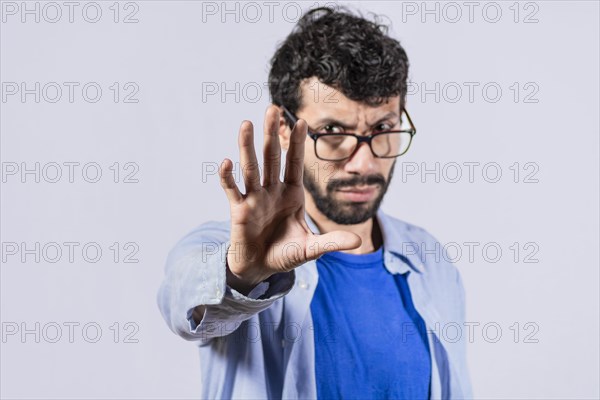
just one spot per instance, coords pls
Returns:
(310, 290)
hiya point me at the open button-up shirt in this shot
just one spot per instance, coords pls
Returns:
(262, 345)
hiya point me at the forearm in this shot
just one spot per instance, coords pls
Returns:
(195, 297)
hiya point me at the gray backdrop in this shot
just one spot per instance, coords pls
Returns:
(115, 115)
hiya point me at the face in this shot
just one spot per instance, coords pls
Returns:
(349, 191)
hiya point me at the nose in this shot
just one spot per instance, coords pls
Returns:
(362, 161)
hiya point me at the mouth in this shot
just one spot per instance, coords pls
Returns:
(358, 193)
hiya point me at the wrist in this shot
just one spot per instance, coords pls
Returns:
(242, 284)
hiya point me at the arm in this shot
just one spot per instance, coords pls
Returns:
(213, 272)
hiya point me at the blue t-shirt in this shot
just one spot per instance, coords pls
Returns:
(370, 342)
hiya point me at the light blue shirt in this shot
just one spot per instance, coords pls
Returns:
(263, 345)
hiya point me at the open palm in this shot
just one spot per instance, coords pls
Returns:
(269, 233)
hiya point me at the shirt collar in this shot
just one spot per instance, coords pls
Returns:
(396, 241)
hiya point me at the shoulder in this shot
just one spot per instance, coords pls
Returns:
(419, 247)
(405, 236)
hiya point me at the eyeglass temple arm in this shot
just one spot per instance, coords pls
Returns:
(290, 116)
(410, 121)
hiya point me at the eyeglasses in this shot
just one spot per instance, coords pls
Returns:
(383, 144)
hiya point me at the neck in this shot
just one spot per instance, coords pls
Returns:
(368, 231)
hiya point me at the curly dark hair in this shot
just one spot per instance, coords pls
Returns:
(344, 51)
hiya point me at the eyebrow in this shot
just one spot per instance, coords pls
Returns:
(333, 121)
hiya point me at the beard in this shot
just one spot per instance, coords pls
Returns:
(346, 212)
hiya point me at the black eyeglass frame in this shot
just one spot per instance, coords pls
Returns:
(360, 138)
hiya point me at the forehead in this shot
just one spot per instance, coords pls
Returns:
(320, 99)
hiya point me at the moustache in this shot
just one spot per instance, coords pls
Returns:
(364, 180)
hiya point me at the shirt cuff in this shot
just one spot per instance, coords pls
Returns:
(259, 290)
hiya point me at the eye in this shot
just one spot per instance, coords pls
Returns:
(331, 129)
(385, 126)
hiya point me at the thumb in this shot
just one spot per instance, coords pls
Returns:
(332, 241)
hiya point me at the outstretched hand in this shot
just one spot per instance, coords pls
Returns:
(269, 233)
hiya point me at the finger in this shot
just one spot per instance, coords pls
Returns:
(228, 183)
(332, 241)
(272, 148)
(248, 157)
(294, 162)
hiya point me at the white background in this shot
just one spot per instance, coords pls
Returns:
(177, 132)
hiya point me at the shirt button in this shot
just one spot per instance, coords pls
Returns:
(303, 285)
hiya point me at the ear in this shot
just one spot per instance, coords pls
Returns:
(284, 131)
